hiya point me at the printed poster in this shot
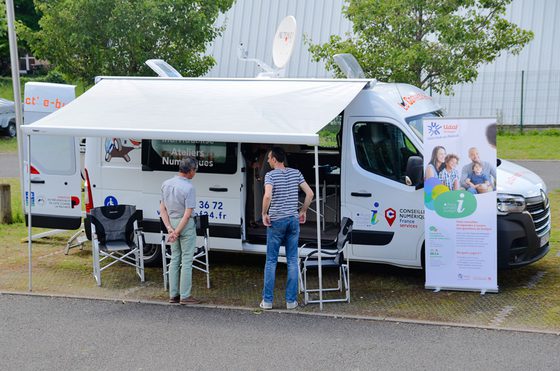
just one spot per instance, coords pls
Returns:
(460, 204)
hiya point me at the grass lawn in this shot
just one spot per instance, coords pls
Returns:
(15, 192)
(7, 90)
(532, 145)
(8, 145)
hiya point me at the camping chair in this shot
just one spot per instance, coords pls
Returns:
(117, 237)
(200, 260)
(331, 257)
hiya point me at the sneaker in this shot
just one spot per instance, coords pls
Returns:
(174, 300)
(265, 305)
(292, 304)
(189, 300)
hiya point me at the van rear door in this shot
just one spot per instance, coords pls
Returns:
(55, 162)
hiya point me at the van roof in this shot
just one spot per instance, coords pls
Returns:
(283, 111)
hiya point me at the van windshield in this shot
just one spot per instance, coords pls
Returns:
(415, 122)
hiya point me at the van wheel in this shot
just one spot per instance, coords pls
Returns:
(11, 130)
(152, 255)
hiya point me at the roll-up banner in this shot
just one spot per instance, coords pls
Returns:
(460, 204)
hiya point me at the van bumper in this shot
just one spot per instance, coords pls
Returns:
(518, 242)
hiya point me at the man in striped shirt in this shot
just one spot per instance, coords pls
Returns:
(282, 218)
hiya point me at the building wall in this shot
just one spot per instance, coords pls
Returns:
(497, 91)
(254, 22)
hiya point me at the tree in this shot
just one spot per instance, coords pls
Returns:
(4, 45)
(427, 43)
(25, 15)
(86, 38)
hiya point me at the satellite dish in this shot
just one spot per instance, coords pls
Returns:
(283, 43)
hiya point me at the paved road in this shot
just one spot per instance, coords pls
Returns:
(9, 165)
(548, 170)
(56, 333)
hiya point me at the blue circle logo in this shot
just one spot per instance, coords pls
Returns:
(110, 201)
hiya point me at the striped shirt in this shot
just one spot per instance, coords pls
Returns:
(285, 189)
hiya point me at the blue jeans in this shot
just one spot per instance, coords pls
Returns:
(282, 232)
(182, 253)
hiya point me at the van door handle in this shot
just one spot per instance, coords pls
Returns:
(37, 181)
(360, 194)
(218, 189)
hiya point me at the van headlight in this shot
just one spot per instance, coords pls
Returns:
(510, 203)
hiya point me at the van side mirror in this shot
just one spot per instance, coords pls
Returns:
(415, 172)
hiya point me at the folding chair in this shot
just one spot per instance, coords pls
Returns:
(200, 260)
(116, 237)
(331, 257)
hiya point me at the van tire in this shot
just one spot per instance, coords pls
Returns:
(152, 255)
(11, 130)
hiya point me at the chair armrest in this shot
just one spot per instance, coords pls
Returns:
(333, 253)
(314, 244)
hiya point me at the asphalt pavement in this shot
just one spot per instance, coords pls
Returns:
(9, 165)
(59, 333)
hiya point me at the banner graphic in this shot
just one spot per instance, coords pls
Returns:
(460, 204)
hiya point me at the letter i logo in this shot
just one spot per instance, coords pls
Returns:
(374, 219)
(460, 207)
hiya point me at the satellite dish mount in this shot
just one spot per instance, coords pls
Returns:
(282, 48)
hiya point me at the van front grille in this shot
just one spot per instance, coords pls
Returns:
(539, 208)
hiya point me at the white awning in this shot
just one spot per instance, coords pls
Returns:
(283, 111)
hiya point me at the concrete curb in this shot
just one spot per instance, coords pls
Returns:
(257, 310)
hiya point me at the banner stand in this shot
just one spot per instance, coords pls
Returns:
(460, 204)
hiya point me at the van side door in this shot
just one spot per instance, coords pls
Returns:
(388, 214)
(218, 183)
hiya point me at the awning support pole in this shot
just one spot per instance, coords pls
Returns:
(29, 241)
(14, 63)
(317, 206)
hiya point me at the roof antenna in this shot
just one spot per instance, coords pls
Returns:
(402, 103)
(282, 48)
(162, 68)
(349, 66)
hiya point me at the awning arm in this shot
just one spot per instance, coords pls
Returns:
(317, 207)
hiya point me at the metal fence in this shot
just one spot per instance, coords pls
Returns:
(530, 98)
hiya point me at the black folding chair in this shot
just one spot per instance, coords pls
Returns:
(332, 257)
(116, 237)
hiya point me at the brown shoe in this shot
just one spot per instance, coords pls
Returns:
(189, 300)
(174, 300)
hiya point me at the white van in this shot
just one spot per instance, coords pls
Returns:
(373, 174)
(364, 177)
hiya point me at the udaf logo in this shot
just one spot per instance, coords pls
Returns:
(434, 128)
